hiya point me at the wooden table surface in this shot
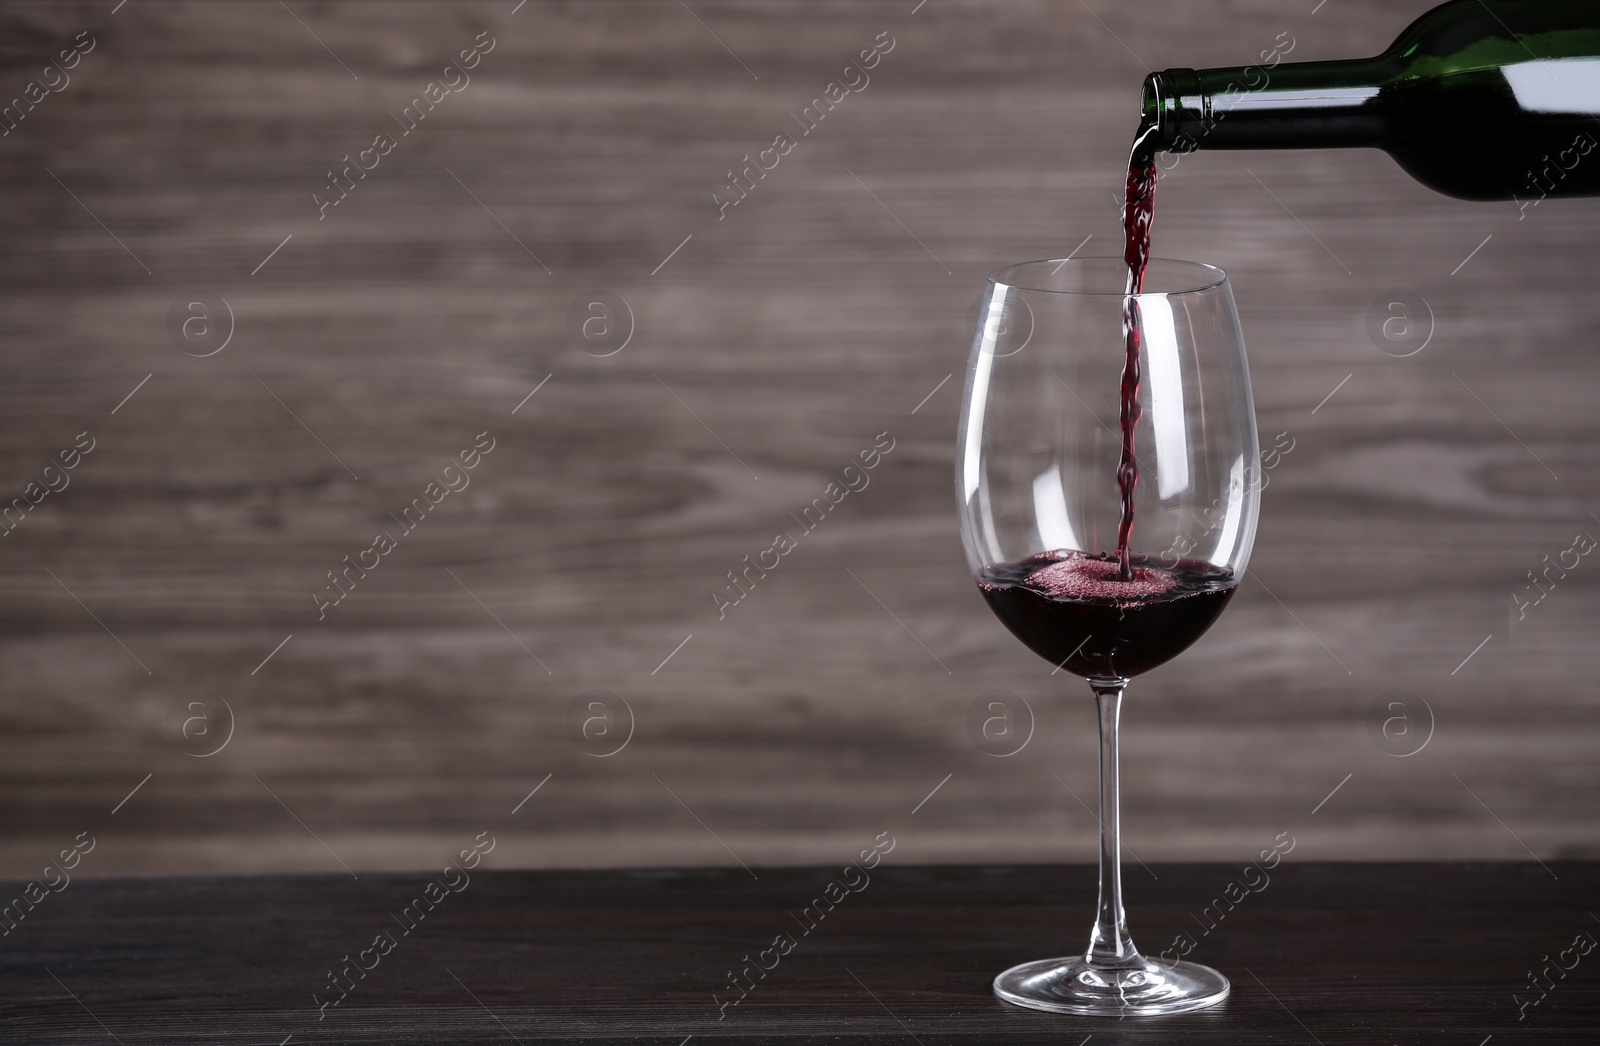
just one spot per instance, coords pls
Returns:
(1317, 952)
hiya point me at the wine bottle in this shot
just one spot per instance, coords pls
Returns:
(1479, 99)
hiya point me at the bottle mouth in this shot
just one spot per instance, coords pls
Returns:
(1172, 108)
(1150, 104)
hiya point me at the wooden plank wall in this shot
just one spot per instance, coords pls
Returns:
(374, 342)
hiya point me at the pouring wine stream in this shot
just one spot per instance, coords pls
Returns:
(1138, 213)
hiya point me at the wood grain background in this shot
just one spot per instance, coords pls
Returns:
(774, 344)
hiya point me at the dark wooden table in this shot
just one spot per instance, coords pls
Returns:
(1322, 953)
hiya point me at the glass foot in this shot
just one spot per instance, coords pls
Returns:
(1142, 987)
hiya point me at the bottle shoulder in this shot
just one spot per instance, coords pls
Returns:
(1471, 36)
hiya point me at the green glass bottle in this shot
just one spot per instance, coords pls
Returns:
(1480, 99)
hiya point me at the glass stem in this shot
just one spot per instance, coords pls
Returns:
(1110, 944)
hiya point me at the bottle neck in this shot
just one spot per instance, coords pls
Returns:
(1303, 105)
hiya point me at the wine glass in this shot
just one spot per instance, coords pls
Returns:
(1037, 478)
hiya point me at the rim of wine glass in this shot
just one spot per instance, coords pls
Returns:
(1215, 277)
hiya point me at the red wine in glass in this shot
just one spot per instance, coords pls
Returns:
(1075, 611)
(1036, 509)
